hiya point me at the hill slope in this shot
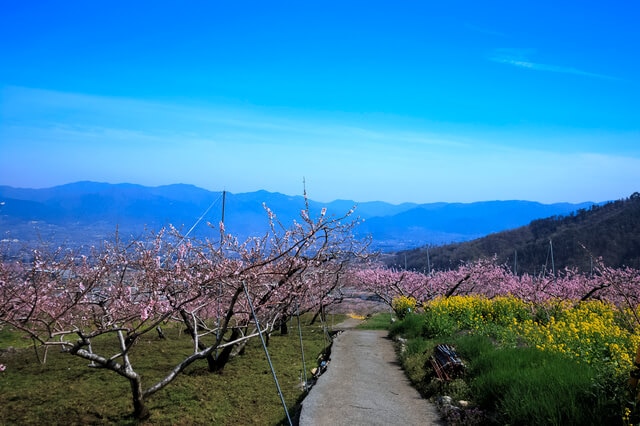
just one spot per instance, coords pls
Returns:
(443, 223)
(610, 231)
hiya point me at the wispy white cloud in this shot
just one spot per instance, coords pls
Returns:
(54, 138)
(76, 116)
(520, 58)
(58, 137)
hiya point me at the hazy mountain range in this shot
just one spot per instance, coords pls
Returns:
(89, 212)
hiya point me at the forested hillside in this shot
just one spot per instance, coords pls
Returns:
(610, 231)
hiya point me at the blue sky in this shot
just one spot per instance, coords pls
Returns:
(457, 101)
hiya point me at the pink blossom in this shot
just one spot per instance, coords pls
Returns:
(485, 277)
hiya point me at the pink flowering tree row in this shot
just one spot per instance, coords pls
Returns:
(121, 292)
(486, 277)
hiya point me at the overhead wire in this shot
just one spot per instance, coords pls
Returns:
(200, 218)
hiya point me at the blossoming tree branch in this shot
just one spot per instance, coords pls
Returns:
(124, 291)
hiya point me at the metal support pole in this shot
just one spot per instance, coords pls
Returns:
(266, 351)
(304, 364)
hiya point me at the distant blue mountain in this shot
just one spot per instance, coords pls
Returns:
(441, 223)
(90, 212)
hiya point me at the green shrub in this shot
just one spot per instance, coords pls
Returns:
(438, 325)
(471, 346)
(418, 346)
(413, 365)
(414, 358)
(402, 305)
(457, 389)
(410, 327)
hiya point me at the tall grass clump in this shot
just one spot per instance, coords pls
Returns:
(528, 386)
(410, 327)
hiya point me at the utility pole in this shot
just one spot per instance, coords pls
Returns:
(553, 265)
(218, 308)
(224, 197)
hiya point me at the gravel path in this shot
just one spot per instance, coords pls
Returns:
(364, 385)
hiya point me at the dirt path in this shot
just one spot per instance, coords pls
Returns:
(364, 385)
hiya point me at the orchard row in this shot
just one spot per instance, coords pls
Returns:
(226, 292)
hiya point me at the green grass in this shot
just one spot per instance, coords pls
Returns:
(10, 339)
(380, 321)
(528, 386)
(65, 390)
(510, 385)
(410, 327)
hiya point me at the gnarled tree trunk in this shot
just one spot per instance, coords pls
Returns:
(284, 328)
(191, 329)
(225, 354)
(140, 410)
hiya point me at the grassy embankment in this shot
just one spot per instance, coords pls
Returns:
(557, 364)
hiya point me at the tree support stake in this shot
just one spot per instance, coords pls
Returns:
(266, 351)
